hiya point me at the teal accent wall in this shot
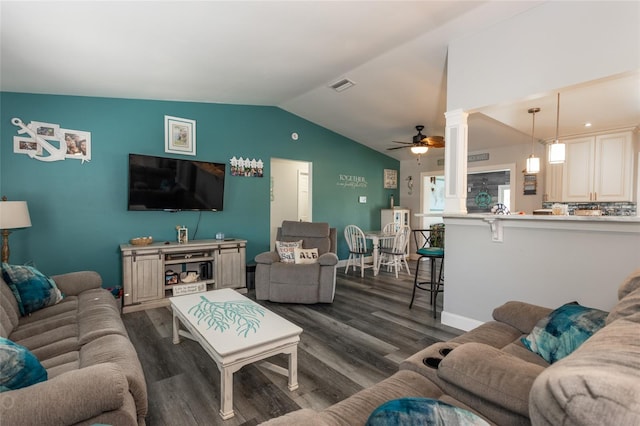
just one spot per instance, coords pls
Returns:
(79, 211)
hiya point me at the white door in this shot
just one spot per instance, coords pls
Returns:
(291, 197)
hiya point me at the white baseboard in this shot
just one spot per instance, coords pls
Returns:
(459, 322)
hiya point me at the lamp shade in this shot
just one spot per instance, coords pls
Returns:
(14, 214)
(418, 149)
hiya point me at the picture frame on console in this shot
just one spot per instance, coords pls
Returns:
(179, 135)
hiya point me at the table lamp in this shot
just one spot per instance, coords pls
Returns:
(13, 214)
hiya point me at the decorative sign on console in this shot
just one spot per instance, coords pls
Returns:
(75, 144)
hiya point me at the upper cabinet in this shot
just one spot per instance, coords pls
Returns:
(598, 168)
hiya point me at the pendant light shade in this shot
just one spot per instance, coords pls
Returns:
(556, 150)
(533, 162)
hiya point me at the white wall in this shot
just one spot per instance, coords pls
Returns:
(554, 45)
(547, 263)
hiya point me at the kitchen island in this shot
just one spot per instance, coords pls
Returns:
(544, 260)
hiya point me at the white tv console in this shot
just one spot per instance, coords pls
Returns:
(144, 269)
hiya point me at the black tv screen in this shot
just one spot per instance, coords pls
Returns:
(158, 183)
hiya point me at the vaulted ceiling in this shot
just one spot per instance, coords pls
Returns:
(284, 54)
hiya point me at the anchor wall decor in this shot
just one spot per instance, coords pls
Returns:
(75, 144)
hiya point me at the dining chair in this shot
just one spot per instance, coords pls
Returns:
(387, 243)
(395, 256)
(358, 251)
(430, 245)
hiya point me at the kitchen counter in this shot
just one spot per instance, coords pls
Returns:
(539, 259)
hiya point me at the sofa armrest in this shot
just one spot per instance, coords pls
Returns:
(267, 257)
(490, 374)
(66, 399)
(328, 259)
(520, 315)
(74, 283)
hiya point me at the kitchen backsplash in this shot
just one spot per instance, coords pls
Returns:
(608, 209)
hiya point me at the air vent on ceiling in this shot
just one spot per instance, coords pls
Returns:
(342, 85)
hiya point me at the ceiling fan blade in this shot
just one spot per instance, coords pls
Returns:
(434, 141)
(398, 147)
(406, 143)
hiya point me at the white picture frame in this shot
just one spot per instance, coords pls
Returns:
(179, 135)
(77, 142)
(390, 179)
(25, 145)
(46, 131)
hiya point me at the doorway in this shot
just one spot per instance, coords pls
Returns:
(431, 197)
(290, 192)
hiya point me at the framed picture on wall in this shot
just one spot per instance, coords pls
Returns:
(78, 143)
(22, 145)
(46, 131)
(179, 135)
(390, 179)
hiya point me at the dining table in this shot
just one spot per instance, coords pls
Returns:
(376, 237)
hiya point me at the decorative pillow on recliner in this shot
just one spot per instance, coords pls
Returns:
(422, 411)
(305, 256)
(19, 368)
(285, 250)
(32, 289)
(563, 331)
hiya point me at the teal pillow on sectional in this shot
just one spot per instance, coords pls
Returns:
(33, 290)
(18, 367)
(421, 412)
(563, 331)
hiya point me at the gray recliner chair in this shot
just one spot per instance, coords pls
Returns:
(299, 283)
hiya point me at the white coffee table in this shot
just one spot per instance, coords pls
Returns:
(235, 331)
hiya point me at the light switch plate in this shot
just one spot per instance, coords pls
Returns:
(362, 199)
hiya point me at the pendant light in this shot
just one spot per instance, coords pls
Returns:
(533, 162)
(556, 149)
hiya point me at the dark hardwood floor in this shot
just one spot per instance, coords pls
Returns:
(350, 344)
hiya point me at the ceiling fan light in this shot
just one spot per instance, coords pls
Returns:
(556, 153)
(533, 165)
(419, 149)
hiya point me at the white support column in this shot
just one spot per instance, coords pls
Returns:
(455, 162)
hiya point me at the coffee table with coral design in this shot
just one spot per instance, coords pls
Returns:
(234, 331)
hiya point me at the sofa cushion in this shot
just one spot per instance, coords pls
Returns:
(19, 368)
(599, 384)
(286, 250)
(563, 331)
(630, 284)
(488, 373)
(32, 289)
(422, 411)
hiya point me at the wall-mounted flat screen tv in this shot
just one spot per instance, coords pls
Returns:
(159, 183)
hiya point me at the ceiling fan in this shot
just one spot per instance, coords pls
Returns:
(421, 143)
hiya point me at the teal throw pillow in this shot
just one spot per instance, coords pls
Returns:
(563, 331)
(421, 412)
(19, 368)
(32, 289)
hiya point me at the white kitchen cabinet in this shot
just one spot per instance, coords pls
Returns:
(598, 168)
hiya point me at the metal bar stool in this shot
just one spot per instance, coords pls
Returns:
(429, 244)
